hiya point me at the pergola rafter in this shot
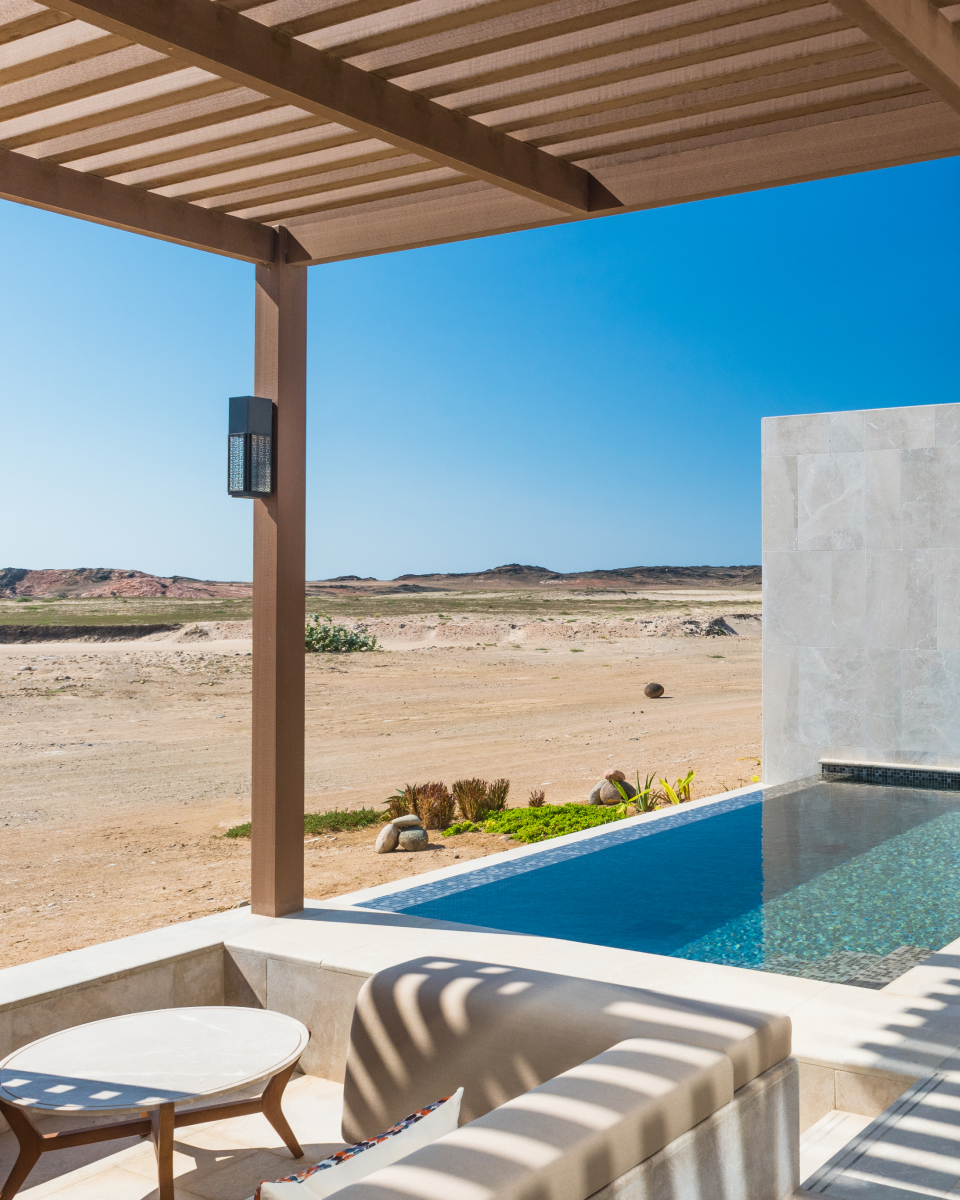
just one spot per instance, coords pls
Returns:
(918, 35)
(226, 43)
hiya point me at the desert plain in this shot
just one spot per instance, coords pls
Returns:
(124, 763)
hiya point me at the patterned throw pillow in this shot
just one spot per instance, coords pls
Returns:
(343, 1168)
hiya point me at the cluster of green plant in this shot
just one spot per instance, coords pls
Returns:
(646, 798)
(463, 827)
(548, 820)
(322, 636)
(327, 822)
(431, 802)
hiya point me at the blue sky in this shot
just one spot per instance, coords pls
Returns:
(577, 397)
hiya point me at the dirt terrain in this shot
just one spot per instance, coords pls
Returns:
(125, 762)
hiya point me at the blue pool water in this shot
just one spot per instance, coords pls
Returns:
(835, 881)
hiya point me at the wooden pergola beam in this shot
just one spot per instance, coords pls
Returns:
(279, 530)
(917, 35)
(228, 44)
(75, 194)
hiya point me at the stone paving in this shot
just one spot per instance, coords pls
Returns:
(224, 1160)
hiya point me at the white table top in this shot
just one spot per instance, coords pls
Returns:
(142, 1060)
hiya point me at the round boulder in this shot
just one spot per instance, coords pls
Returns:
(387, 839)
(413, 839)
(411, 821)
(610, 795)
(653, 690)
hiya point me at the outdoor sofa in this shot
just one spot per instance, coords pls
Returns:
(572, 1088)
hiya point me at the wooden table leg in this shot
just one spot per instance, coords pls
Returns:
(31, 1147)
(161, 1130)
(272, 1095)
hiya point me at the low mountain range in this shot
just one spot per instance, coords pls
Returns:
(92, 582)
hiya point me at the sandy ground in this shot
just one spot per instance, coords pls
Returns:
(123, 764)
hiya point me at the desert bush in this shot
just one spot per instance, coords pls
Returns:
(402, 802)
(431, 802)
(537, 797)
(497, 795)
(434, 805)
(322, 636)
(471, 797)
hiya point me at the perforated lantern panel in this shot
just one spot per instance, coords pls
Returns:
(250, 447)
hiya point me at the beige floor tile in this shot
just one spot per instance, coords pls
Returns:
(830, 1134)
(222, 1160)
(116, 1184)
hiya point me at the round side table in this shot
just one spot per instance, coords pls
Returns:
(146, 1065)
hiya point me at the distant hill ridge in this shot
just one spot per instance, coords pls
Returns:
(93, 582)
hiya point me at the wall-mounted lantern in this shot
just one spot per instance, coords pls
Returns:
(250, 460)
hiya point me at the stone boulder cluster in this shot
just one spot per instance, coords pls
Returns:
(606, 793)
(402, 833)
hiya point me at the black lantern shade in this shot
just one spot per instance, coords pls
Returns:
(250, 452)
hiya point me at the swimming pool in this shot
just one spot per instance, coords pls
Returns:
(842, 882)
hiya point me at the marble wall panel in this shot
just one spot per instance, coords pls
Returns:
(947, 425)
(780, 502)
(881, 500)
(883, 704)
(845, 618)
(862, 610)
(795, 435)
(781, 694)
(793, 610)
(899, 428)
(830, 495)
(832, 696)
(901, 599)
(846, 432)
(948, 598)
(930, 497)
(931, 705)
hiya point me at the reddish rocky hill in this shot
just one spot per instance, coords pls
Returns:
(517, 577)
(87, 582)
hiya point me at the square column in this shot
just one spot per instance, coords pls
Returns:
(280, 374)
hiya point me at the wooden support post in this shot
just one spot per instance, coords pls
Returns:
(280, 373)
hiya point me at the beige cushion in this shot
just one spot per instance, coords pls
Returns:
(569, 1137)
(422, 1029)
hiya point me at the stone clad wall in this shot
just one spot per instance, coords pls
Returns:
(861, 588)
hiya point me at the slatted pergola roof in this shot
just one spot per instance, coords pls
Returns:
(365, 126)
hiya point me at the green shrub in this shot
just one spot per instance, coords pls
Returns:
(463, 827)
(549, 820)
(323, 637)
(328, 822)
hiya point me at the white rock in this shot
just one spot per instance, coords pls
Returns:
(387, 839)
(411, 821)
